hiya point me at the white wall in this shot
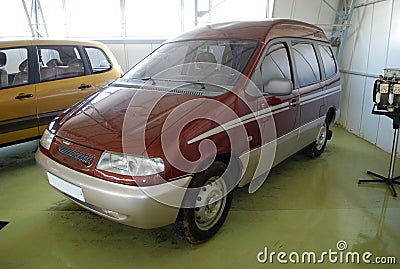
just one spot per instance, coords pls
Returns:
(129, 52)
(373, 43)
(311, 11)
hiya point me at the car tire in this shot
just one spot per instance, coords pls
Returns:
(200, 222)
(318, 146)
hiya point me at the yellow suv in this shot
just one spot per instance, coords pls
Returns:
(41, 78)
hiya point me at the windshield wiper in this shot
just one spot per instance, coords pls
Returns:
(153, 82)
(202, 84)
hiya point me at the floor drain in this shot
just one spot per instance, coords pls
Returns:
(3, 224)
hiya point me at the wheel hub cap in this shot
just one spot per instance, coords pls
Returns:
(210, 203)
(321, 137)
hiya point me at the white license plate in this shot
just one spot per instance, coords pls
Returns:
(66, 187)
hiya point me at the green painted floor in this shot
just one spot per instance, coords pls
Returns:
(305, 206)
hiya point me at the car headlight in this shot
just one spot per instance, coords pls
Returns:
(125, 164)
(46, 139)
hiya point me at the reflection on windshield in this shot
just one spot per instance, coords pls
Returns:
(196, 63)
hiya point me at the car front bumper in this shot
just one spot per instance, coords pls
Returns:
(142, 207)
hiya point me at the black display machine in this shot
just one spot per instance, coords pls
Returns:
(387, 90)
(386, 97)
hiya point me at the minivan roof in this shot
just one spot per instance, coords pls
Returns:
(258, 30)
(14, 42)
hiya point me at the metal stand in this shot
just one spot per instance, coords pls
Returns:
(395, 116)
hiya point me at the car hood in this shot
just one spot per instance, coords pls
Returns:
(121, 119)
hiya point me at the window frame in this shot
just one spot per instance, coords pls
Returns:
(322, 64)
(317, 56)
(32, 66)
(285, 43)
(80, 51)
(90, 67)
(256, 77)
(257, 74)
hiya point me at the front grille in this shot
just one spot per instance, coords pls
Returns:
(77, 155)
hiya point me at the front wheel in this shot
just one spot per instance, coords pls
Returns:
(315, 149)
(211, 201)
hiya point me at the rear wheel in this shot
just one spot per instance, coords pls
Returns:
(315, 149)
(211, 203)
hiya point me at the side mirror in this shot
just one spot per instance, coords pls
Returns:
(279, 86)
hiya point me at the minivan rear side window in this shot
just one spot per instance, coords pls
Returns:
(306, 63)
(276, 63)
(58, 62)
(328, 60)
(98, 60)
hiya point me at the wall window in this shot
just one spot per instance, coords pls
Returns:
(127, 18)
(328, 60)
(55, 18)
(276, 63)
(306, 64)
(93, 18)
(238, 10)
(13, 20)
(152, 18)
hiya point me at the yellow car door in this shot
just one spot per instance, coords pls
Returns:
(18, 119)
(64, 80)
(102, 65)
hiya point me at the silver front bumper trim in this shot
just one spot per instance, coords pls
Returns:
(142, 207)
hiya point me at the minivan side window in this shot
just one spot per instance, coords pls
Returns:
(13, 67)
(276, 63)
(306, 63)
(328, 60)
(98, 60)
(58, 62)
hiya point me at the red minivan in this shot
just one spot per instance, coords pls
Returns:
(208, 111)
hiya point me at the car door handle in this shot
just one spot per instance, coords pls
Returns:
(293, 103)
(23, 96)
(85, 86)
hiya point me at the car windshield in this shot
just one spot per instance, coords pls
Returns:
(199, 63)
